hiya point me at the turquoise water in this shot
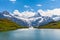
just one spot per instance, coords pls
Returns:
(31, 34)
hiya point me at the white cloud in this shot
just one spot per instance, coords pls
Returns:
(50, 12)
(24, 14)
(13, 1)
(28, 14)
(39, 5)
(26, 6)
(16, 12)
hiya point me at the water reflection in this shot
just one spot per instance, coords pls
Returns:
(35, 34)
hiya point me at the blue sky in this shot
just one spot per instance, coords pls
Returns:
(30, 5)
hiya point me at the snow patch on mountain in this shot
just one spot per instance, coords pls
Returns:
(50, 12)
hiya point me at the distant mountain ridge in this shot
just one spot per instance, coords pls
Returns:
(28, 19)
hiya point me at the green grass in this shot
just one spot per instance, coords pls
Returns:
(51, 25)
(6, 25)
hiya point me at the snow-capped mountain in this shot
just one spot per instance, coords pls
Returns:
(28, 18)
(5, 14)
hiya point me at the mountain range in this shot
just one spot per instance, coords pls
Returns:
(29, 19)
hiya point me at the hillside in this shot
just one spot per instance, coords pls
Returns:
(6, 25)
(51, 25)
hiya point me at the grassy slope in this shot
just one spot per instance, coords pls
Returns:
(51, 25)
(6, 25)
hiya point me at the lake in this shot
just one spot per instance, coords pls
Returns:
(31, 34)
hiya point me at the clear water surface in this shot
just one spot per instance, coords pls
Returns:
(31, 34)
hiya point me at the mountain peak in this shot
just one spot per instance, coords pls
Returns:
(37, 15)
(5, 12)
